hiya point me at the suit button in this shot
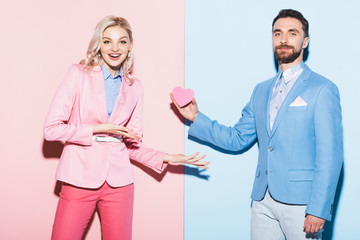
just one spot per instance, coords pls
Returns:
(266, 172)
(271, 149)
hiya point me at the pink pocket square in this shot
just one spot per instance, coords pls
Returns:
(183, 96)
(298, 102)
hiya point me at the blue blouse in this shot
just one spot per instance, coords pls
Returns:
(112, 88)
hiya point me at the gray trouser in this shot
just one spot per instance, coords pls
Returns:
(272, 220)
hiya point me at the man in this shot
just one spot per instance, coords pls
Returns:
(295, 117)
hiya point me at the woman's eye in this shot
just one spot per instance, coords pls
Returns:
(106, 42)
(123, 42)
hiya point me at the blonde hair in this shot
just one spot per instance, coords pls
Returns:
(93, 55)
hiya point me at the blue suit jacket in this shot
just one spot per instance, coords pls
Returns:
(301, 157)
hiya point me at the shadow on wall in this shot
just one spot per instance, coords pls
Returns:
(52, 149)
(194, 171)
(199, 173)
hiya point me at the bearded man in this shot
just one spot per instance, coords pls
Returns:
(295, 118)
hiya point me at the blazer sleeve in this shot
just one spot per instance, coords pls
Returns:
(56, 126)
(137, 150)
(236, 138)
(329, 152)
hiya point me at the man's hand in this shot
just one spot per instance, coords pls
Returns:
(313, 224)
(189, 111)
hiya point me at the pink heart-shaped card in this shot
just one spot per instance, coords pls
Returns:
(183, 96)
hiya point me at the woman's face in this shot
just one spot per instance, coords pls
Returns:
(115, 47)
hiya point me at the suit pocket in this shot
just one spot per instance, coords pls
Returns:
(301, 175)
(297, 108)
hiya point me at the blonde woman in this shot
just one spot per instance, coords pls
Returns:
(97, 111)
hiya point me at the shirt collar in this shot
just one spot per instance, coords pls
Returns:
(106, 73)
(292, 72)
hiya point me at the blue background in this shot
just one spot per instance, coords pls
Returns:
(228, 50)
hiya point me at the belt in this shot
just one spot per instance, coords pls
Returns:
(107, 138)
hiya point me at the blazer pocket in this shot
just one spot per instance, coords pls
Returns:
(301, 175)
(297, 108)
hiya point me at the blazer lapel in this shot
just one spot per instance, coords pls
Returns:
(99, 89)
(268, 98)
(294, 93)
(120, 101)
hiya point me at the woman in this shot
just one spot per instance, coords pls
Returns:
(97, 111)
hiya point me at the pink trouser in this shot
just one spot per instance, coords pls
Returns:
(77, 205)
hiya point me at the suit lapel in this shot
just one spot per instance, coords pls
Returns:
(268, 98)
(293, 93)
(99, 89)
(120, 101)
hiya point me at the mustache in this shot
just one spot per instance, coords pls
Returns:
(284, 46)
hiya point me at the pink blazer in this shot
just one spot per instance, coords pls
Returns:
(79, 103)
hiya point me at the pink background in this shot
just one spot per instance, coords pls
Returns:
(39, 40)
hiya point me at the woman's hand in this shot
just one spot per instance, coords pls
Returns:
(180, 159)
(115, 129)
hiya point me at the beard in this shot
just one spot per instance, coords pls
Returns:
(285, 57)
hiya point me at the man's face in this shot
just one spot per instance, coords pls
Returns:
(288, 40)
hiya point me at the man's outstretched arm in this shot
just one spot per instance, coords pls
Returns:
(235, 138)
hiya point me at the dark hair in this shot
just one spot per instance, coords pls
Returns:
(285, 13)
